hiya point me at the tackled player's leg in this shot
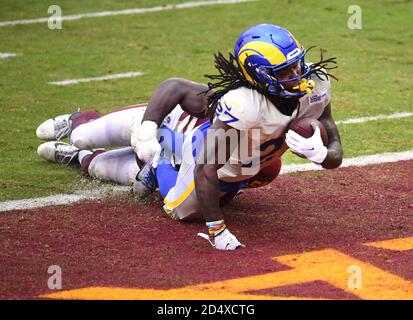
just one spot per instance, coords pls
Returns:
(118, 166)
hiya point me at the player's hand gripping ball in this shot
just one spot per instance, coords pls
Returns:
(303, 127)
(308, 139)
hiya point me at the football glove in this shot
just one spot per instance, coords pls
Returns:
(145, 143)
(311, 148)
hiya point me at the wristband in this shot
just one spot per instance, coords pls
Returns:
(215, 228)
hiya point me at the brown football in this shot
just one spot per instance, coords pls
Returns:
(303, 127)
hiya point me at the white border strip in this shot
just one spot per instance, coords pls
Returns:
(102, 78)
(65, 199)
(353, 162)
(184, 5)
(378, 117)
(6, 55)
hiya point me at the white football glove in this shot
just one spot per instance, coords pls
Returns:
(311, 148)
(145, 142)
(224, 241)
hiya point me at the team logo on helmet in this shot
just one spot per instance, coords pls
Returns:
(264, 49)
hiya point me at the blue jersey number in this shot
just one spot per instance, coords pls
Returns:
(268, 150)
(226, 112)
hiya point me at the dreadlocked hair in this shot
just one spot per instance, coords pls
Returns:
(230, 77)
(318, 68)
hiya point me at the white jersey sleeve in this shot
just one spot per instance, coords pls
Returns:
(239, 109)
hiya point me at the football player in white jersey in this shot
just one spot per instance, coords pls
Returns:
(263, 86)
(260, 89)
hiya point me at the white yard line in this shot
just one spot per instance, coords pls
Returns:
(378, 117)
(131, 74)
(6, 55)
(95, 194)
(184, 5)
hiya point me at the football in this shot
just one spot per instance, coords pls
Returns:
(303, 127)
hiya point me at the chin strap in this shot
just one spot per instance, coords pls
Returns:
(305, 86)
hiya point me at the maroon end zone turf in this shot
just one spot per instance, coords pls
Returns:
(125, 244)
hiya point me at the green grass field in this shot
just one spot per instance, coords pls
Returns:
(375, 64)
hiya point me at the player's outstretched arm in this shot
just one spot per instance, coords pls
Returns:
(189, 95)
(335, 151)
(207, 185)
(175, 91)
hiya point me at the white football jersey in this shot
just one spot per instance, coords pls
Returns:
(246, 109)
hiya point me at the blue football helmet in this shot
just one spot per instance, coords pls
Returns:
(264, 49)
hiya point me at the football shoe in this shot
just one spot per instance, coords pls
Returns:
(59, 152)
(56, 128)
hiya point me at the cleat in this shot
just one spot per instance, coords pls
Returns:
(145, 181)
(140, 190)
(59, 152)
(57, 128)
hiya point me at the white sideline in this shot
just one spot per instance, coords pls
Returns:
(95, 194)
(130, 74)
(63, 199)
(125, 11)
(378, 117)
(353, 162)
(6, 55)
